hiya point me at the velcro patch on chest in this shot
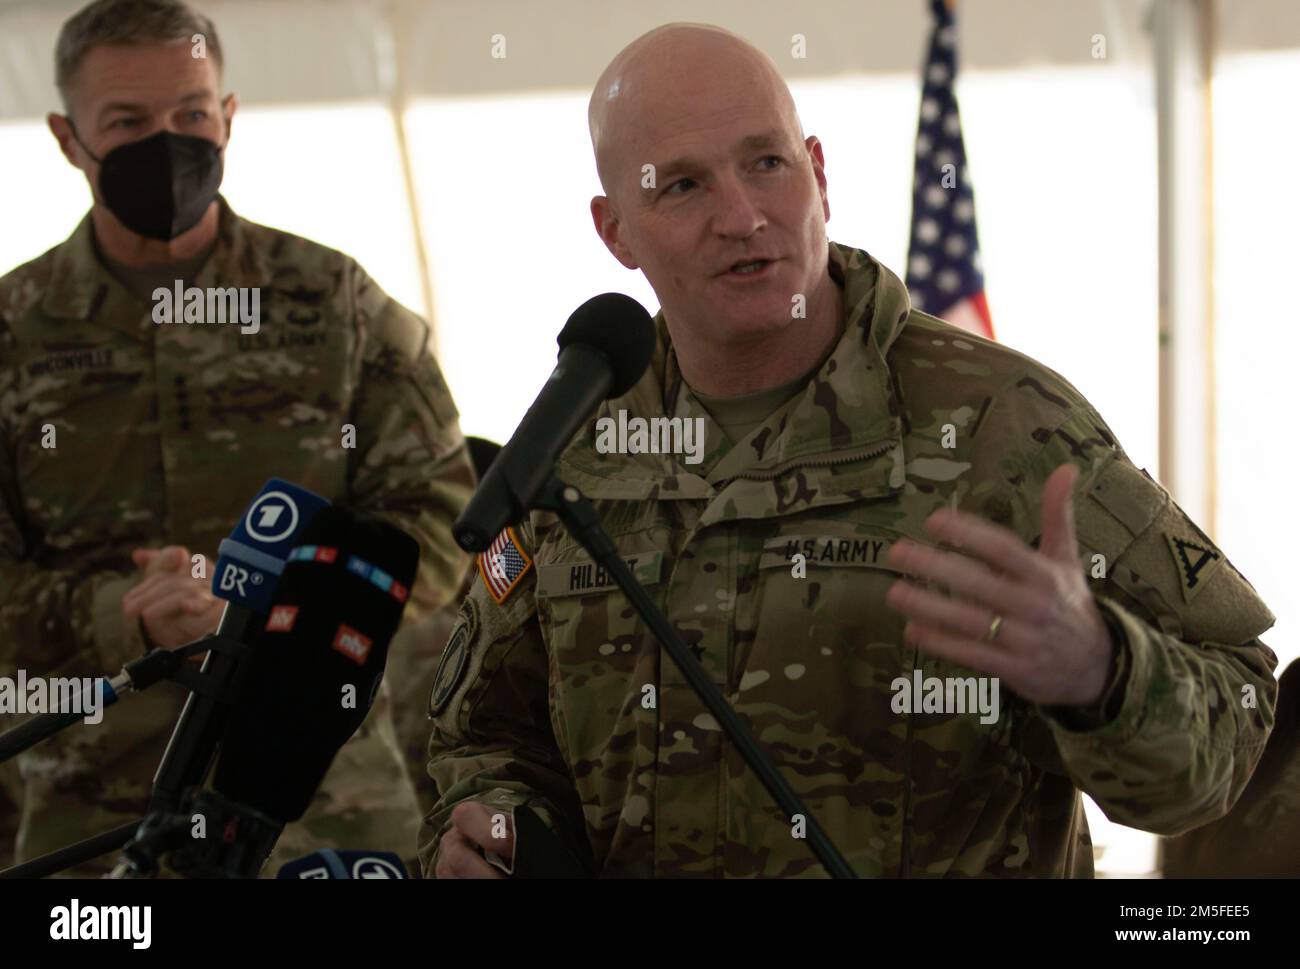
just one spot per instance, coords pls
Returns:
(584, 576)
(858, 551)
(504, 565)
(1196, 562)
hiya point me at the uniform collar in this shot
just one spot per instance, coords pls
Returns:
(85, 290)
(848, 410)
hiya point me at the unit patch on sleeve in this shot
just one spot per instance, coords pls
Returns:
(452, 664)
(504, 564)
(1196, 563)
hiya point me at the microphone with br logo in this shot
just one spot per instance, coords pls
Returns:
(334, 865)
(249, 564)
(306, 684)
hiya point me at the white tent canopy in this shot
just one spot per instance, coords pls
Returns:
(300, 51)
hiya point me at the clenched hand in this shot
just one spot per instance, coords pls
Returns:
(175, 607)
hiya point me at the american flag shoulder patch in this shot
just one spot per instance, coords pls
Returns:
(504, 565)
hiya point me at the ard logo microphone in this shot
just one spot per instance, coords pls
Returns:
(250, 561)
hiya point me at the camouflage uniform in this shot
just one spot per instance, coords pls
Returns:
(1261, 834)
(539, 699)
(422, 642)
(164, 433)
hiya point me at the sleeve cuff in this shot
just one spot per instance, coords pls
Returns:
(503, 864)
(1118, 713)
(540, 849)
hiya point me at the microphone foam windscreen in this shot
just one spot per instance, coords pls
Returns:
(314, 670)
(620, 328)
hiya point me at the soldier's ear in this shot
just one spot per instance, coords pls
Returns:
(608, 228)
(229, 105)
(818, 160)
(61, 128)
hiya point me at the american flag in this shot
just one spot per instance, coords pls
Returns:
(944, 276)
(503, 564)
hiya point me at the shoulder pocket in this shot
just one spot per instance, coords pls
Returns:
(478, 646)
(1155, 553)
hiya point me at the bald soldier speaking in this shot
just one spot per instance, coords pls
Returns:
(917, 563)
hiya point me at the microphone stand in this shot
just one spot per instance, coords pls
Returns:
(137, 675)
(579, 516)
(235, 842)
(193, 744)
(185, 762)
(74, 854)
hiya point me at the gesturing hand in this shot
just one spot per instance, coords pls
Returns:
(1052, 645)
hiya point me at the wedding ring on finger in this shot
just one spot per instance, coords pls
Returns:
(994, 627)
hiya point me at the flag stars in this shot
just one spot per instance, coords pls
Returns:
(943, 265)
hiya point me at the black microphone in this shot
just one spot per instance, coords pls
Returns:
(317, 665)
(247, 571)
(308, 681)
(248, 567)
(605, 347)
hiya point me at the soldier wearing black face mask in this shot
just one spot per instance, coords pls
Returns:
(129, 448)
(159, 187)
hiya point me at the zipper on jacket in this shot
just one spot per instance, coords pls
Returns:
(875, 450)
(905, 846)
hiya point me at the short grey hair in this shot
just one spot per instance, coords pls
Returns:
(127, 22)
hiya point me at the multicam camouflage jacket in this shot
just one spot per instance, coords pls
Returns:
(1260, 836)
(541, 696)
(120, 432)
